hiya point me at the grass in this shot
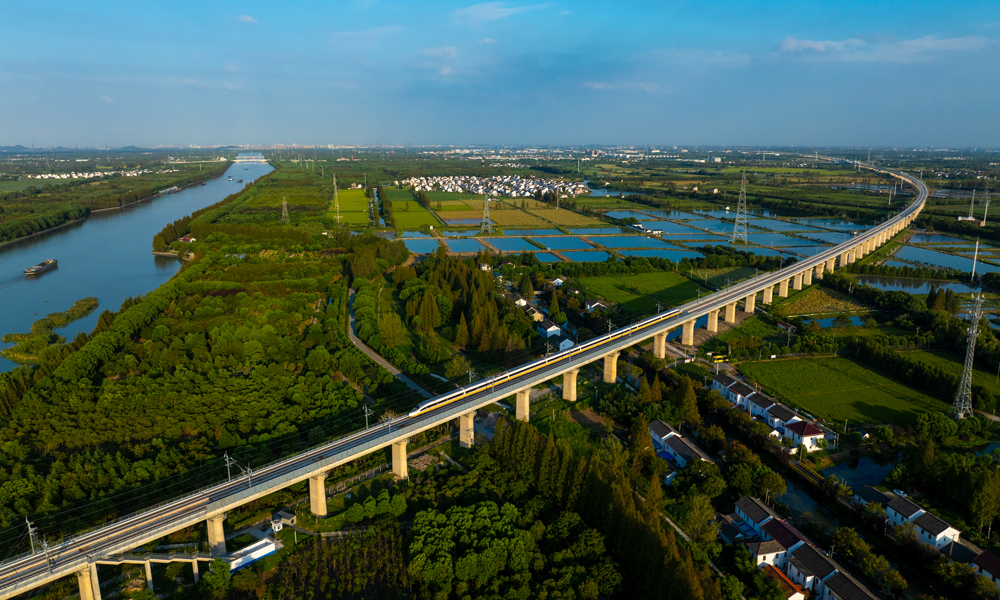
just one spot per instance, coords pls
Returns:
(413, 218)
(638, 293)
(836, 389)
(504, 218)
(13, 186)
(355, 218)
(352, 200)
(565, 217)
(392, 194)
(952, 363)
(820, 300)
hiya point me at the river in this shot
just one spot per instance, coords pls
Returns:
(107, 256)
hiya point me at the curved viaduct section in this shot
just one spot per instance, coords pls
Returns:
(82, 553)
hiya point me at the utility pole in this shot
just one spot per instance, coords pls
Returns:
(962, 406)
(486, 226)
(368, 413)
(284, 210)
(229, 462)
(32, 533)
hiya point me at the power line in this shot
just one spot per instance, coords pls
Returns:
(740, 227)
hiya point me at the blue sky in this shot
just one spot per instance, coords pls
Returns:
(431, 72)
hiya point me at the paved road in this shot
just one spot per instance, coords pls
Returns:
(351, 333)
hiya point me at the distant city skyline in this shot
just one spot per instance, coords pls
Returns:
(434, 73)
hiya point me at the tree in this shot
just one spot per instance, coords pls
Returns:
(457, 366)
(462, 333)
(524, 287)
(985, 504)
(318, 360)
(218, 579)
(770, 484)
(391, 329)
(687, 403)
(699, 520)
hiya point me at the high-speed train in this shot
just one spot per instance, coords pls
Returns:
(540, 363)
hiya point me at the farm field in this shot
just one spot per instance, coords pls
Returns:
(392, 194)
(355, 218)
(352, 200)
(13, 186)
(819, 301)
(562, 216)
(413, 218)
(504, 218)
(637, 292)
(841, 388)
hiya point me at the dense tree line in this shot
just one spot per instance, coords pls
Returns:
(33, 223)
(970, 229)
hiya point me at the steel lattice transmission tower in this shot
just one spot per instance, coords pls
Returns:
(336, 200)
(963, 398)
(486, 227)
(740, 228)
(284, 210)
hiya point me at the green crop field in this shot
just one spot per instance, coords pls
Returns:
(669, 288)
(413, 218)
(841, 388)
(392, 194)
(14, 186)
(352, 200)
(355, 218)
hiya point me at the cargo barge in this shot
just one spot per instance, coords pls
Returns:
(42, 267)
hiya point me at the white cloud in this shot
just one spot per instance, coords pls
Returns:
(442, 52)
(597, 85)
(445, 71)
(565, 12)
(246, 19)
(895, 51)
(478, 14)
(108, 99)
(487, 41)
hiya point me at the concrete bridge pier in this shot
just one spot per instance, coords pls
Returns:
(807, 277)
(194, 571)
(731, 313)
(768, 294)
(149, 576)
(783, 288)
(797, 281)
(687, 333)
(831, 264)
(87, 580)
(750, 304)
(851, 256)
(818, 271)
(521, 410)
(569, 385)
(843, 259)
(317, 495)
(659, 347)
(466, 429)
(217, 535)
(399, 466)
(713, 320)
(610, 368)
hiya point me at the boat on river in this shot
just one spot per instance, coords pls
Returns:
(42, 267)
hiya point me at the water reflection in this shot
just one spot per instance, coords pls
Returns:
(863, 471)
(913, 286)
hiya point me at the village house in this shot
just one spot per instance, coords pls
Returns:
(547, 328)
(754, 513)
(987, 565)
(592, 305)
(806, 434)
(721, 384)
(930, 530)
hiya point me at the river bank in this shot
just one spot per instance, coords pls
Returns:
(105, 255)
(38, 233)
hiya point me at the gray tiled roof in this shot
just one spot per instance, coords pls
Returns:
(682, 447)
(724, 380)
(760, 400)
(754, 509)
(781, 412)
(741, 388)
(766, 547)
(811, 561)
(903, 506)
(661, 428)
(845, 587)
(931, 523)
